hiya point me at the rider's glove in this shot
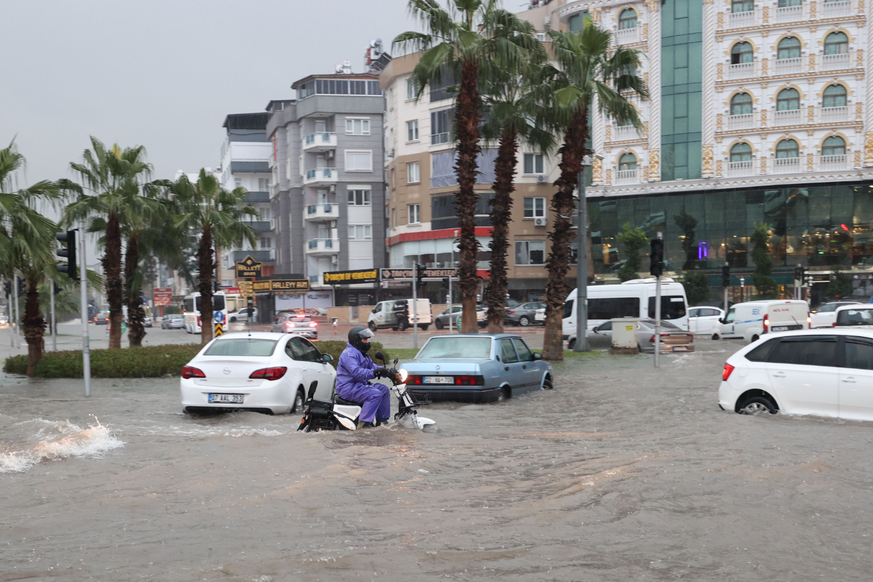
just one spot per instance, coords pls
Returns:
(382, 373)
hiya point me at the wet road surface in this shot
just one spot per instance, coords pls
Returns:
(621, 473)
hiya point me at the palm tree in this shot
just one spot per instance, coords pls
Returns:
(511, 113)
(215, 213)
(460, 43)
(590, 72)
(114, 178)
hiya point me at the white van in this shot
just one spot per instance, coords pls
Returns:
(752, 319)
(635, 298)
(398, 314)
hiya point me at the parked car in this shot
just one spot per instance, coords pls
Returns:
(296, 324)
(442, 320)
(258, 371)
(398, 314)
(704, 319)
(825, 314)
(524, 314)
(243, 314)
(481, 316)
(857, 316)
(752, 319)
(673, 338)
(147, 321)
(102, 318)
(818, 372)
(477, 368)
(173, 321)
(4, 321)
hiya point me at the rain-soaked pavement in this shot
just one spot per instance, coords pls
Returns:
(621, 473)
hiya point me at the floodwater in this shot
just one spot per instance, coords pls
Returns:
(621, 473)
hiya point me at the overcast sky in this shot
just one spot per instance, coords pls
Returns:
(164, 74)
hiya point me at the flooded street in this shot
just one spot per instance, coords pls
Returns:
(621, 473)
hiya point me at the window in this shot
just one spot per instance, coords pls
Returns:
(360, 232)
(787, 148)
(507, 352)
(414, 213)
(788, 99)
(301, 350)
(237, 183)
(439, 88)
(265, 213)
(611, 307)
(788, 3)
(534, 207)
(833, 146)
(789, 48)
(359, 198)
(741, 104)
(524, 353)
(356, 126)
(411, 88)
(628, 19)
(413, 173)
(834, 96)
(627, 161)
(412, 130)
(440, 125)
(359, 161)
(530, 252)
(533, 163)
(265, 242)
(742, 6)
(263, 184)
(849, 317)
(762, 352)
(859, 353)
(742, 152)
(568, 309)
(242, 347)
(672, 307)
(742, 52)
(807, 351)
(836, 43)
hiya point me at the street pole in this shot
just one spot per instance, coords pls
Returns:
(17, 312)
(450, 305)
(54, 319)
(83, 306)
(658, 316)
(415, 304)
(742, 289)
(11, 314)
(581, 269)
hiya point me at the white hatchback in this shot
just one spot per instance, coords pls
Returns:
(704, 320)
(264, 372)
(818, 372)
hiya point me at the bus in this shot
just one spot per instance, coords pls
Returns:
(191, 304)
(635, 298)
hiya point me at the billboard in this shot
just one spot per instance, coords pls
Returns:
(163, 296)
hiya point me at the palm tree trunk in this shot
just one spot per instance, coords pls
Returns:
(207, 270)
(135, 314)
(467, 116)
(34, 326)
(563, 207)
(501, 213)
(114, 288)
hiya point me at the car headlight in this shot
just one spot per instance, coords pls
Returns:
(404, 374)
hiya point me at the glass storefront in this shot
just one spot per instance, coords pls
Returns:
(816, 226)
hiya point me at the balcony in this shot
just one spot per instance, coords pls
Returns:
(834, 114)
(318, 212)
(319, 142)
(627, 35)
(836, 62)
(322, 246)
(775, 119)
(836, 9)
(798, 165)
(834, 163)
(790, 14)
(742, 70)
(623, 177)
(625, 133)
(737, 169)
(321, 176)
(787, 117)
(742, 19)
(786, 165)
(259, 225)
(252, 197)
(744, 121)
(788, 66)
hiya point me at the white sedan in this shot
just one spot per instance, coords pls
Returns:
(264, 372)
(243, 315)
(704, 320)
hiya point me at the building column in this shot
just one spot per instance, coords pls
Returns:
(868, 114)
(709, 118)
(654, 138)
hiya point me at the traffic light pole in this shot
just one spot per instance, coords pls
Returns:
(16, 311)
(54, 320)
(581, 344)
(658, 317)
(83, 287)
(415, 304)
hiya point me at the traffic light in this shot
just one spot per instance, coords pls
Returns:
(22, 288)
(726, 276)
(7, 288)
(799, 273)
(419, 274)
(657, 257)
(69, 253)
(215, 286)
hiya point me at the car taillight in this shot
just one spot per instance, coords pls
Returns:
(313, 324)
(809, 321)
(766, 323)
(198, 321)
(510, 311)
(417, 380)
(269, 373)
(192, 372)
(469, 380)
(727, 372)
(289, 324)
(834, 324)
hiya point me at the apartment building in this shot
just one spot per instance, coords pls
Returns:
(760, 111)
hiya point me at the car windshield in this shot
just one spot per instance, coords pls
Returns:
(855, 317)
(470, 348)
(242, 347)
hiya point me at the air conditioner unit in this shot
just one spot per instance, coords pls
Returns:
(541, 178)
(540, 221)
(334, 260)
(329, 155)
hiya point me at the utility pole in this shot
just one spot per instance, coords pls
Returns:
(581, 344)
(657, 268)
(54, 319)
(83, 306)
(17, 312)
(415, 304)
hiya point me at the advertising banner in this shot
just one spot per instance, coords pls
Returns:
(163, 296)
(359, 276)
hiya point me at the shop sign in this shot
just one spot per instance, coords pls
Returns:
(261, 286)
(245, 288)
(290, 284)
(359, 276)
(427, 274)
(248, 268)
(163, 296)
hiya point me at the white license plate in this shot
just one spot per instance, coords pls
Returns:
(439, 379)
(780, 328)
(226, 398)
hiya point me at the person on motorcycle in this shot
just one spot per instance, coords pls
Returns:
(353, 371)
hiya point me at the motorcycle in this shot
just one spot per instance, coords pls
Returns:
(341, 414)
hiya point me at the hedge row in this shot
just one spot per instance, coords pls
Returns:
(145, 362)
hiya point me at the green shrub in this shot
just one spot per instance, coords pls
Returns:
(335, 348)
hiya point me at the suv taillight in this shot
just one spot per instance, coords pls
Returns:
(766, 323)
(192, 372)
(727, 372)
(269, 373)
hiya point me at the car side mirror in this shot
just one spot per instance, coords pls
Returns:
(537, 356)
(325, 358)
(380, 356)
(396, 361)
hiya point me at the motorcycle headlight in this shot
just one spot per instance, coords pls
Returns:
(403, 375)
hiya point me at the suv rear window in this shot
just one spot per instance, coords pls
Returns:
(242, 347)
(762, 352)
(855, 317)
(806, 351)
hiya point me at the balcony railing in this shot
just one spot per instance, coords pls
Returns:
(836, 62)
(742, 70)
(625, 132)
(744, 168)
(788, 66)
(259, 225)
(322, 212)
(798, 165)
(794, 66)
(627, 176)
(261, 256)
(787, 117)
(322, 246)
(836, 9)
(833, 114)
(744, 121)
(786, 165)
(821, 115)
(256, 197)
(742, 19)
(626, 35)
(321, 175)
(834, 162)
(788, 14)
(316, 142)
(826, 10)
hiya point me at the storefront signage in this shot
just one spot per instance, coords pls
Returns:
(406, 274)
(359, 276)
(280, 285)
(163, 296)
(245, 288)
(248, 268)
(261, 286)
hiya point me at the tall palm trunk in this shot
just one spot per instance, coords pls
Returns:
(135, 314)
(114, 287)
(34, 326)
(501, 212)
(563, 207)
(207, 269)
(467, 118)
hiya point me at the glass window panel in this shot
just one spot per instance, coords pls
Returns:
(789, 48)
(834, 96)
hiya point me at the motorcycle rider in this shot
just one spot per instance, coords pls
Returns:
(353, 371)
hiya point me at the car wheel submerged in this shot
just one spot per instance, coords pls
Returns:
(756, 405)
(547, 384)
(299, 399)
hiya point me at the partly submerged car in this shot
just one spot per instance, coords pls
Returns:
(477, 368)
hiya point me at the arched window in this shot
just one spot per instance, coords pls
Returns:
(627, 19)
(834, 96)
(788, 100)
(789, 48)
(742, 6)
(787, 3)
(836, 43)
(787, 148)
(834, 146)
(742, 52)
(741, 104)
(627, 161)
(741, 152)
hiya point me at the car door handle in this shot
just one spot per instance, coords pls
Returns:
(524, 367)
(779, 375)
(849, 380)
(506, 368)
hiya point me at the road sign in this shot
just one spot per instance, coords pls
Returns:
(163, 296)
(248, 268)
(245, 288)
(219, 329)
(218, 317)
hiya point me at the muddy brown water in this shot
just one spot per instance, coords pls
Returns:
(621, 473)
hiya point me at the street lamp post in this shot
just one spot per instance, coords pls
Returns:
(581, 344)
